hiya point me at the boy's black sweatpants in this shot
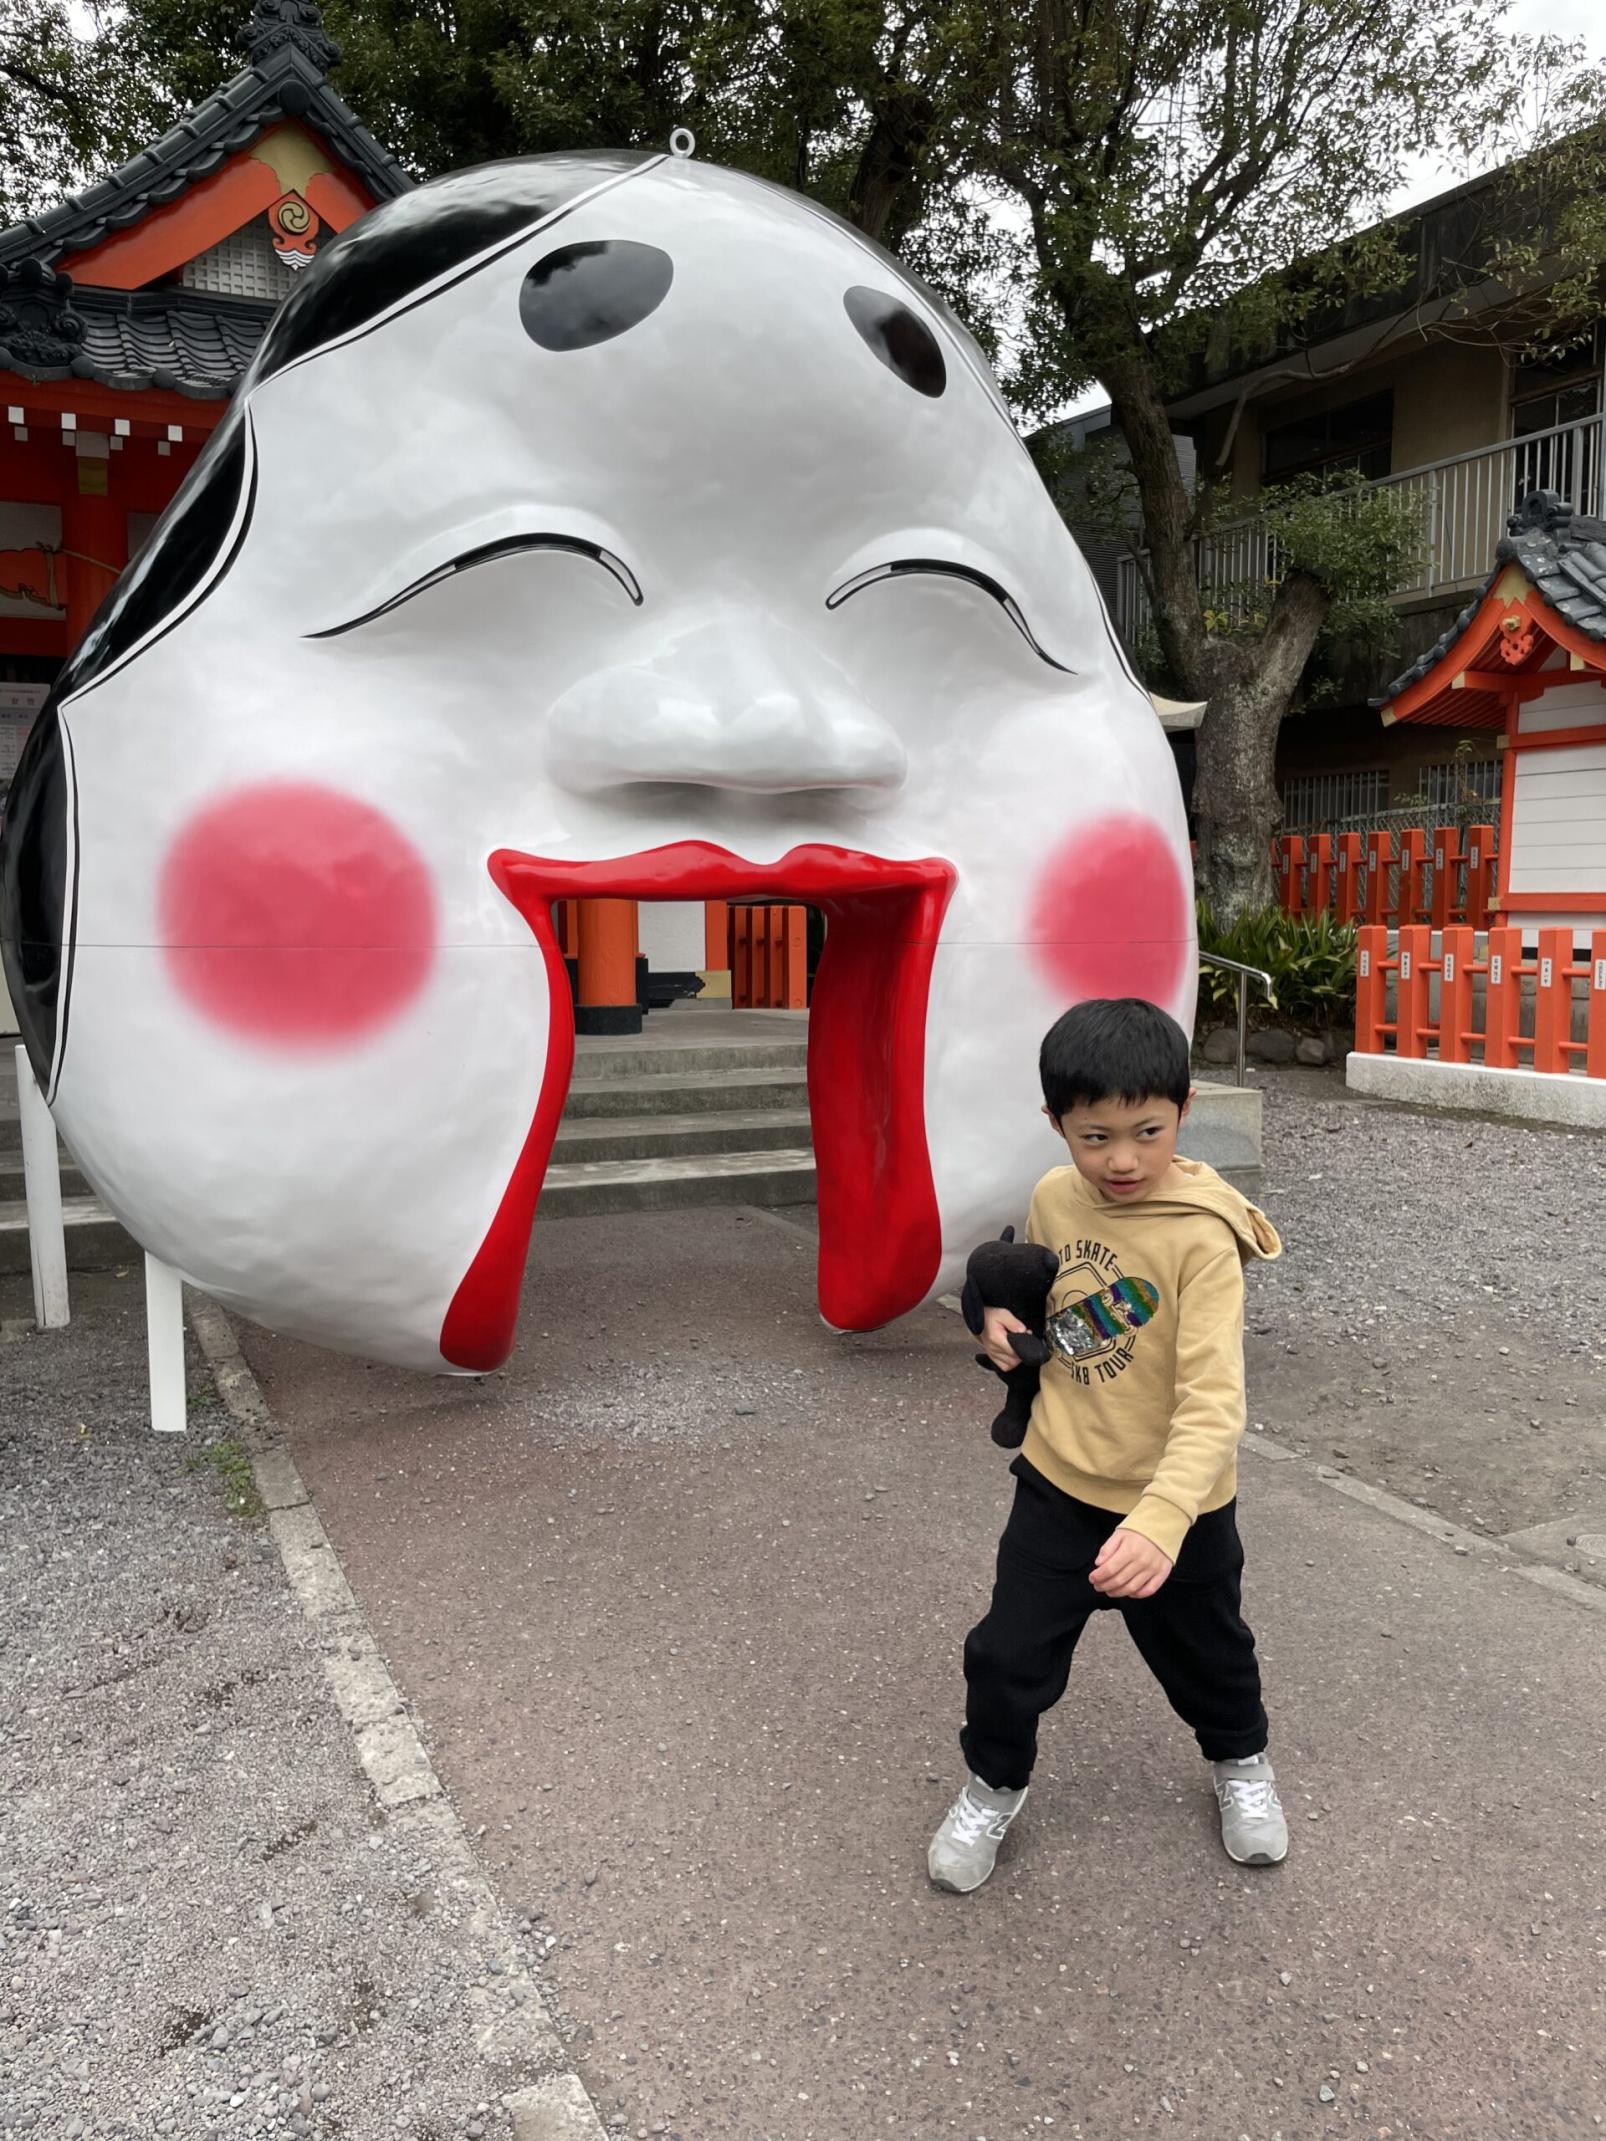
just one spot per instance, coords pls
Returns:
(1191, 1634)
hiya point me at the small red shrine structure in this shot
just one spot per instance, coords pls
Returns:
(1528, 659)
(127, 315)
(1505, 1011)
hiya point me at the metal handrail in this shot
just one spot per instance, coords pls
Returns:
(1245, 975)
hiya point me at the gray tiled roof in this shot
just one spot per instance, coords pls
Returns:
(181, 340)
(175, 339)
(283, 81)
(1564, 555)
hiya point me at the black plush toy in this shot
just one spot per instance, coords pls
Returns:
(1015, 1275)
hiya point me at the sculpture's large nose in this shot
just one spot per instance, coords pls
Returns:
(737, 703)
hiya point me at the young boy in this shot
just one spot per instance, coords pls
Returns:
(1125, 1485)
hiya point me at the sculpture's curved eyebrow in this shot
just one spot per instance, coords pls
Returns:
(899, 568)
(486, 554)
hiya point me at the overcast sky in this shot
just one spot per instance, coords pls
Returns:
(1561, 18)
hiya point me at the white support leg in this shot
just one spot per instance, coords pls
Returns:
(164, 1325)
(41, 1172)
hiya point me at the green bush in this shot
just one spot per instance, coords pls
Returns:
(1310, 958)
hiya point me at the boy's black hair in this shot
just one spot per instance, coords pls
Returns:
(1114, 1048)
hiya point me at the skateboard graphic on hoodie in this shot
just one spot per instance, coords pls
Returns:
(1099, 1322)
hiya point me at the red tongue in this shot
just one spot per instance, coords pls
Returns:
(478, 1332)
(880, 1237)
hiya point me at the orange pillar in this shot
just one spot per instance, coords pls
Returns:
(1446, 871)
(1371, 987)
(1482, 868)
(1455, 994)
(716, 949)
(1319, 874)
(607, 968)
(1502, 1025)
(1553, 1001)
(94, 536)
(1595, 1058)
(1412, 986)
(1351, 876)
(795, 959)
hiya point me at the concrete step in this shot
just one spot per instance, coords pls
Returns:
(642, 1137)
(596, 1058)
(95, 1241)
(587, 1188)
(681, 1093)
(13, 1189)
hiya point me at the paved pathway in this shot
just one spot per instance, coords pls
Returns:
(679, 1598)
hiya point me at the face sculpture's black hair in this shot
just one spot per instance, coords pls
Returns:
(403, 248)
(36, 892)
(1114, 1049)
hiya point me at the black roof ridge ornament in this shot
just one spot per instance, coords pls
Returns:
(1545, 511)
(298, 24)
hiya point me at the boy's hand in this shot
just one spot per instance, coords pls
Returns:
(995, 1329)
(1129, 1566)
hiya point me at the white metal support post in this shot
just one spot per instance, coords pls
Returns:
(41, 1174)
(164, 1330)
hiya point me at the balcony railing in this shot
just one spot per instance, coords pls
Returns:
(1464, 504)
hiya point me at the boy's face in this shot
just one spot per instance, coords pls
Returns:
(1124, 1148)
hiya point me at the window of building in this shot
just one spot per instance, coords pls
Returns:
(1554, 401)
(1314, 801)
(1358, 435)
(1459, 781)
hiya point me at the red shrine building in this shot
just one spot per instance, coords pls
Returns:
(1526, 663)
(128, 314)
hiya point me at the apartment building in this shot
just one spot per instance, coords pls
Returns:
(1430, 391)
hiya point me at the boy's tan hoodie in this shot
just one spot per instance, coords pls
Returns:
(1142, 1404)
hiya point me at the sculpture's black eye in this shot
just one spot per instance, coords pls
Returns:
(903, 342)
(583, 294)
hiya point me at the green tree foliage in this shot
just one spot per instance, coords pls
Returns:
(59, 113)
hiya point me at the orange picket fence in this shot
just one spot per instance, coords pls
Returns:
(769, 958)
(1468, 996)
(1439, 878)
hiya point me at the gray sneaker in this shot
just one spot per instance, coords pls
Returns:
(1252, 1825)
(965, 1849)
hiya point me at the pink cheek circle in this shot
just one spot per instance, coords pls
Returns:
(296, 917)
(1112, 914)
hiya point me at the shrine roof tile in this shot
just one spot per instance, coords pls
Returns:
(1562, 552)
(178, 340)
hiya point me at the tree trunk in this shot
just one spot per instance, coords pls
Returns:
(1235, 801)
(1235, 784)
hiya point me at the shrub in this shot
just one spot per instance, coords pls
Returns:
(1310, 958)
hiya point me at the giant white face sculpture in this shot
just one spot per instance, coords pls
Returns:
(611, 526)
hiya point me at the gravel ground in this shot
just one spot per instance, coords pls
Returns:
(1439, 1321)
(209, 1925)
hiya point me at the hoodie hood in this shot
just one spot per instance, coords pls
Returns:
(1201, 1189)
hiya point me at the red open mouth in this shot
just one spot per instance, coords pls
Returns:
(880, 1240)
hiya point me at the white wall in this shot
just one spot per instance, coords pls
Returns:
(672, 935)
(1558, 832)
(1577, 704)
